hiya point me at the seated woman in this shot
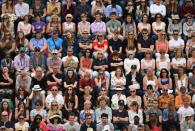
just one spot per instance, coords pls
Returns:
(55, 123)
(115, 61)
(38, 110)
(141, 10)
(133, 111)
(21, 124)
(38, 8)
(118, 80)
(150, 79)
(53, 25)
(21, 41)
(130, 43)
(161, 44)
(191, 62)
(83, 25)
(86, 63)
(38, 41)
(38, 123)
(70, 95)
(181, 79)
(157, 26)
(6, 107)
(177, 61)
(84, 81)
(162, 62)
(54, 109)
(7, 45)
(149, 96)
(22, 109)
(147, 62)
(87, 109)
(133, 97)
(8, 9)
(164, 79)
(22, 96)
(25, 27)
(100, 44)
(53, 8)
(6, 84)
(38, 25)
(7, 26)
(144, 24)
(87, 96)
(190, 45)
(68, 26)
(70, 80)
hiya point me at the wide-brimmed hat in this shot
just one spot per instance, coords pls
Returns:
(54, 116)
(36, 88)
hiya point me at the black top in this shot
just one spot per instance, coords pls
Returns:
(145, 43)
(115, 44)
(42, 83)
(84, 127)
(99, 62)
(7, 124)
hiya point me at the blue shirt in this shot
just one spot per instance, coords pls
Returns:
(38, 43)
(109, 9)
(56, 45)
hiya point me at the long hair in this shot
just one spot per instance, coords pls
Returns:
(35, 125)
(18, 39)
(4, 26)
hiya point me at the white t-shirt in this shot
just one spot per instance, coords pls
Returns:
(176, 43)
(178, 61)
(183, 112)
(160, 27)
(73, 59)
(154, 9)
(163, 64)
(59, 98)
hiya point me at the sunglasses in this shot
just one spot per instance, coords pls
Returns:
(158, 17)
(54, 105)
(21, 118)
(38, 118)
(165, 90)
(162, 52)
(5, 18)
(21, 90)
(54, 53)
(129, 4)
(132, 91)
(54, 90)
(175, 34)
(163, 34)
(164, 72)
(69, 89)
(144, 33)
(38, 105)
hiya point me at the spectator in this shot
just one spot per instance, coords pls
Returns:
(187, 8)
(53, 60)
(21, 9)
(68, 26)
(54, 96)
(23, 80)
(55, 43)
(54, 24)
(71, 124)
(70, 95)
(129, 9)
(21, 41)
(164, 79)
(170, 124)
(115, 61)
(115, 44)
(54, 109)
(135, 111)
(22, 124)
(55, 123)
(38, 9)
(83, 25)
(143, 24)
(38, 110)
(97, 6)
(37, 60)
(85, 43)
(165, 98)
(188, 123)
(88, 124)
(188, 28)
(175, 24)
(70, 79)
(25, 26)
(145, 43)
(22, 109)
(69, 8)
(8, 8)
(83, 7)
(141, 10)
(113, 25)
(38, 124)
(5, 107)
(105, 124)
(129, 26)
(190, 46)
(38, 25)
(101, 111)
(147, 62)
(179, 100)
(114, 7)
(87, 109)
(173, 8)
(53, 8)
(186, 108)
(70, 61)
(120, 116)
(157, 7)
(38, 41)
(133, 97)
(98, 25)
(5, 122)
(7, 26)
(22, 97)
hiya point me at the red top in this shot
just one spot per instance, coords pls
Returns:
(86, 63)
(83, 83)
(100, 44)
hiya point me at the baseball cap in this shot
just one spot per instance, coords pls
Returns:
(121, 103)
(22, 49)
(37, 49)
(183, 89)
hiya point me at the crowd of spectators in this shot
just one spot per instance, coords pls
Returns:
(97, 65)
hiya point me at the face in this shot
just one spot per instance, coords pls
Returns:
(26, 18)
(7, 35)
(21, 118)
(21, 91)
(69, 52)
(175, 35)
(113, 17)
(4, 116)
(145, 34)
(5, 18)
(71, 118)
(165, 90)
(104, 119)
(158, 17)
(55, 69)
(97, 17)
(54, 90)
(5, 70)
(87, 106)
(133, 92)
(70, 73)
(38, 105)
(102, 103)
(54, 105)
(131, 35)
(37, 1)
(69, 91)
(118, 72)
(38, 35)
(129, 18)
(155, 104)
(164, 73)
(145, 18)
(88, 119)
(20, 35)
(150, 71)
(38, 119)
(38, 72)
(68, 19)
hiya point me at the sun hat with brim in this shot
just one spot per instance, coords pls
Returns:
(188, 114)
(54, 116)
(54, 52)
(69, 15)
(118, 89)
(36, 88)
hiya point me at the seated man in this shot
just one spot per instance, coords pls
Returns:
(5, 124)
(54, 96)
(72, 125)
(21, 61)
(105, 125)
(113, 8)
(120, 116)
(53, 60)
(70, 61)
(188, 124)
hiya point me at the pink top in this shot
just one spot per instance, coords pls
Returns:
(25, 28)
(161, 45)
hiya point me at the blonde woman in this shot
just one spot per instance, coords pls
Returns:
(162, 43)
(53, 25)
(130, 43)
(69, 26)
(54, 109)
(97, 6)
